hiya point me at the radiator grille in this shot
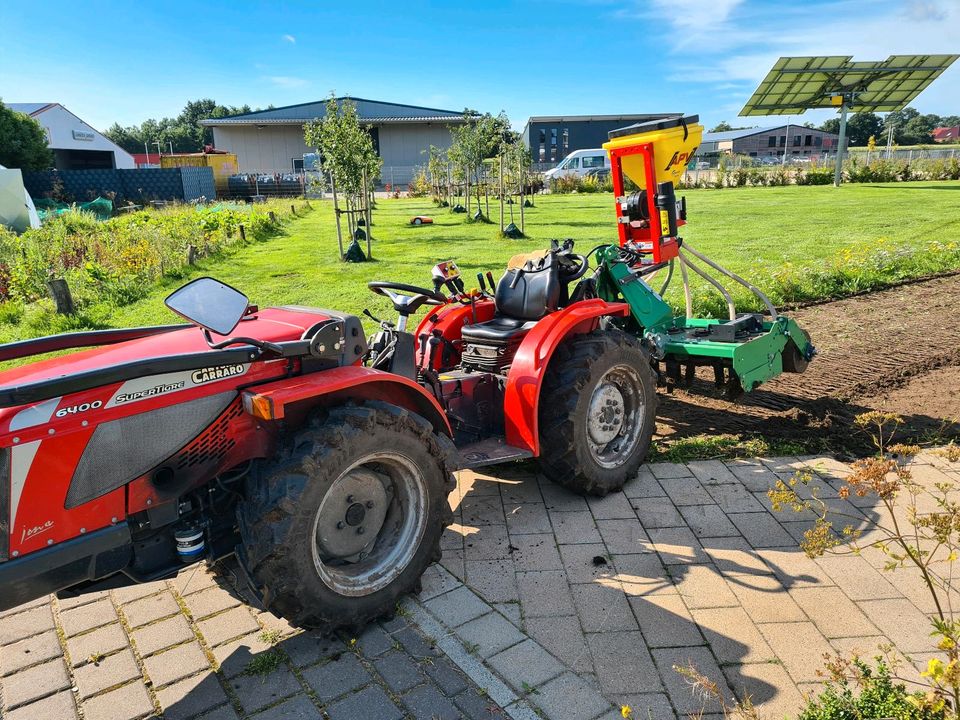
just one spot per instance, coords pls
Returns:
(213, 444)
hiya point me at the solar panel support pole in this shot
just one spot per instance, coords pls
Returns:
(841, 141)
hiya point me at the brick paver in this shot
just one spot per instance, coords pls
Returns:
(544, 601)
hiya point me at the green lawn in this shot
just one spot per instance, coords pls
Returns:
(754, 231)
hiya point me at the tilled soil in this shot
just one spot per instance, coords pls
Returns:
(896, 349)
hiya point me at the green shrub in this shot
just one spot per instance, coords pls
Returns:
(117, 260)
(873, 695)
(419, 186)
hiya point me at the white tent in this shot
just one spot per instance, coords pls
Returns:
(16, 207)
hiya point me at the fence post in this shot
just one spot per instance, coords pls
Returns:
(243, 233)
(522, 180)
(336, 213)
(366, 212)
(501, 192)
(191, 254)
(60, 292)
(273, 217)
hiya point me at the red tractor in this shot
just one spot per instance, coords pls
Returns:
(323, 460)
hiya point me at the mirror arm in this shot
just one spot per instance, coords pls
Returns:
(258, 344)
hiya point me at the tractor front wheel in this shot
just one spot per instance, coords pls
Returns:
(344, 522)
(598, 411)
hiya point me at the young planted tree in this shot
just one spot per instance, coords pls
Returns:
(437, 172)
(349, 159)
(476, 139)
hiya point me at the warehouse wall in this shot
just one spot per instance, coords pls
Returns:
(272, 148)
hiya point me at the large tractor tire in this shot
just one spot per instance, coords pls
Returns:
(598, 412)
(345, 519)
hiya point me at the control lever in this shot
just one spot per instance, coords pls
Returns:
(423, 348)
(482, 282)
(516, 278)
(493, 285)
(377, 320)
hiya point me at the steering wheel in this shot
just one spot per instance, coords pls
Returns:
(572, 266)
(410, 303)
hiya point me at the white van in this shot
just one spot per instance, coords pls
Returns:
(579, 162)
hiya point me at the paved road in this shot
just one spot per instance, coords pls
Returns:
(544, 604)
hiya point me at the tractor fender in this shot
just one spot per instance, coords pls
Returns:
(521, 399)
(298, 395)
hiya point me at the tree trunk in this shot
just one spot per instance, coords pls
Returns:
(60, 292)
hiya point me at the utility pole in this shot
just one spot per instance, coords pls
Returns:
(786, 146)
(146, 149)
(841, 141)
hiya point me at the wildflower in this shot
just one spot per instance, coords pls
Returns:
(626, 711)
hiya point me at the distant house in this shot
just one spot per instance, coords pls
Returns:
(773, 141)
(947, 134)
(271, 141)
(550, 138)
(75, 144)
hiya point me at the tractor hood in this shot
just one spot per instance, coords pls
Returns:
(271, 324)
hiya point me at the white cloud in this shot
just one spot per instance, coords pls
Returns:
(747, 37)
(290, 39)
(923, 10)
(286, 81)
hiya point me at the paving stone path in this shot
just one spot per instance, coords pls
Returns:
(545, 604)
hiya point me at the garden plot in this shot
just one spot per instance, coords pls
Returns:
(883, 350)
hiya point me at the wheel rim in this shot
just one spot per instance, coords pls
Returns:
(369, 524)
(615, 416)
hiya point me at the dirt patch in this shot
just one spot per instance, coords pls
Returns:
(882, 350)
(938, 389)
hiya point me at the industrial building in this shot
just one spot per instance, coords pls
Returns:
(75, 144)
(769, 142)
(550, 138)
(271, 141)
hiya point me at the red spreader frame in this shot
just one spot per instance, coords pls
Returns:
(651, 236)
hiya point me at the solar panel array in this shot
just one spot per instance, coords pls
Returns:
(796, 84)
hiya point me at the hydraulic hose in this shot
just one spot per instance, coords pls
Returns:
(752, 288)
(731, 309)
(666, 282)
(687, 297)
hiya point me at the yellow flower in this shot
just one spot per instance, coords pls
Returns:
(935, 669)
(626, 711)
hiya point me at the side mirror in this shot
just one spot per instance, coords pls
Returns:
(209, 303)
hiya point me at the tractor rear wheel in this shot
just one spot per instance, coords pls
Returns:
(598, 411)
(346, 518)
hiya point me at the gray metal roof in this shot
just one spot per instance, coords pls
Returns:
(28, 108)
(371, 111)
(746, 132)
(586, 118)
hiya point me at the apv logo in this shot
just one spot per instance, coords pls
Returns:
(31, 532)
(680, 158)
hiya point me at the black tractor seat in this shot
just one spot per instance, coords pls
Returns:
(522, 297)
(496, 330)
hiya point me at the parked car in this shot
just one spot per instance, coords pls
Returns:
(600, 173)
(579, 162)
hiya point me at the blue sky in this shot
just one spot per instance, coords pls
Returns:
(126, 61)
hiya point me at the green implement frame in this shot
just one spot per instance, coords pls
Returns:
(753, 348)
